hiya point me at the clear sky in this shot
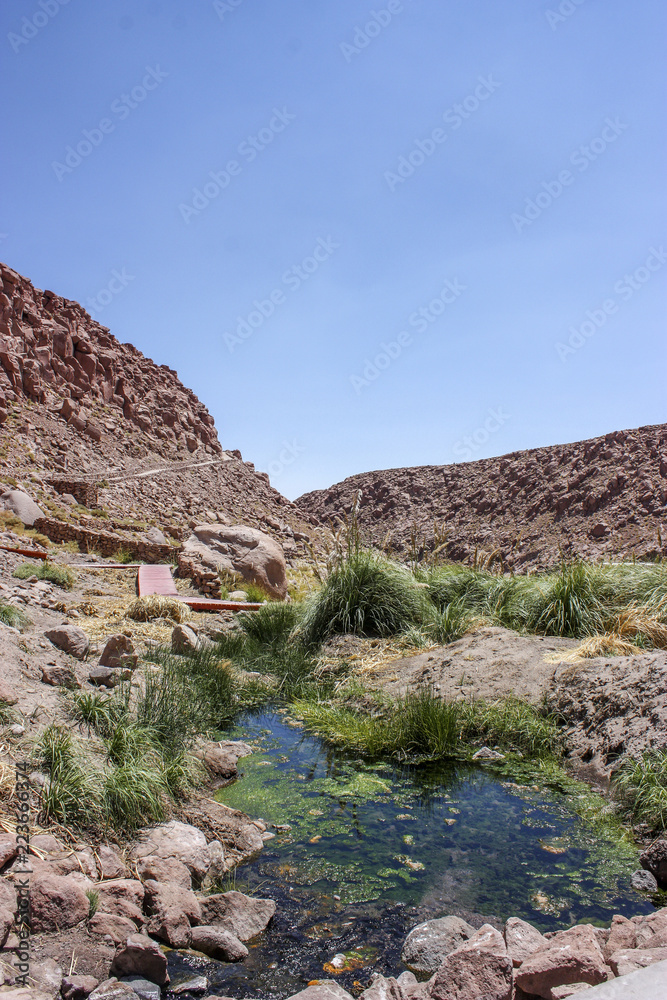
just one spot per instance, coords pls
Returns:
(368, 235)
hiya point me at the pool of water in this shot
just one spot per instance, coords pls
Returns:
(363, 852)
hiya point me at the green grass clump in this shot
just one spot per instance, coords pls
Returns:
(93, 902)
(12, 616)
(272, 624)
(422, 726)
(641, 785)
(73, 792)
(62, 576)
(365, 595)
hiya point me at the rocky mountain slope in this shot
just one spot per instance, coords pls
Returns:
(79, 406)
(601, 498)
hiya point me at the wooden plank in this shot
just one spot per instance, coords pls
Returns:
(156, 579)
(212, 604)
(26, 552)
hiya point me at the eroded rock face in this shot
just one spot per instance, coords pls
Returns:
(252, 554)
(427, 944)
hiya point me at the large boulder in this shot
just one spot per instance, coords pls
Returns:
(480, 967)
(176, 840)
(236, 549)
(71, 639)
(244, 916)
(429, 943)
(56, 903)
(22, 505)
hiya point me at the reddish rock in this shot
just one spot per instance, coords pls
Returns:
(7, 693)
(622, 934)
(253, 555)
(176, 840)
(118, 652)
(78, 987)
(173, 910)
(244, 916)
(654, 860)
(123, 896)
(111, 864)
(627, 960)
(7, 848)
(651, 929)
(572, 956)
(472, 974)
(60, 676)
(71, 639)
(116, 927)
(140, 956)
(56, 902)
(522, 939)
(164, 870)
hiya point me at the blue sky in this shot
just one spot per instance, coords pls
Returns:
(367, 235)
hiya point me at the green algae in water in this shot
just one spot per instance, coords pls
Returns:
(477, 840)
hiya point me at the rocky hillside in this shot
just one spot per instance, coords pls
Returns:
(79, 406)
(601, 498)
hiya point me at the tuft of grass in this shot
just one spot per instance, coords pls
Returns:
(134, 795)
(72, 794)
(147, 609)
(641, 785)
(10, 615)
(62, 576)
(123, 556)
(93, 902)
(449, 623)
(272, 624)
(256, 594)
(421, 726)
(364, 594)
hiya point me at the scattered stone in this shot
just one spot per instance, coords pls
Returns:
(238, 595)
(104, 676)
(7, 693)
(164, 870)
(485, 753)
(219, 762)
(141, 957)
(407, 982)
(522, 939)
(244, 916)
(218, 943)
(60, 676)
(155, 535)
(622, 934)
(7, 896)
(71, 639)
(644, 881)
(111, 925)
(189, 984)
(119, 652)
(173, 910)
(183, 639)
(654, 860)
(56, 903)
(427, 944)
(112, 989)
(47, 976)
(16, 729)
(144, 989)
(78, 987)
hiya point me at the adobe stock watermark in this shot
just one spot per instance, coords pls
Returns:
(625, 288)
(118, 282)
(31, 26)
(222, 7)
(466, 447)
(22, 866)
(419, 320)
(562, 13)
(454, 117)
(292, 279)
(122, 108)
(249, 150)
(364, 34)
(581, 158)
(288, 456)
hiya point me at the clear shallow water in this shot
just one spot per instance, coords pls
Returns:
(373, 849)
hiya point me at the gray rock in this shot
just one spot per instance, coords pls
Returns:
(485, 753)
(144, 988)
(654, 860)
(22, 505)
(78, 987)
(189, 984)
(156, 536)
(104, 676)
(239, 550)
(644, 881)
(326, 989)
(244, 916)
(218, 943)
(113, 989)
(238, 595)
(183, 639)
(71, 639)
(428, 944)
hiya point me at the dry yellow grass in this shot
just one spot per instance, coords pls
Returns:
(155, 606)
(369, 657)
(647, 620)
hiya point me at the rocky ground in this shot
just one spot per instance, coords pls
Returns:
(598, 499)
